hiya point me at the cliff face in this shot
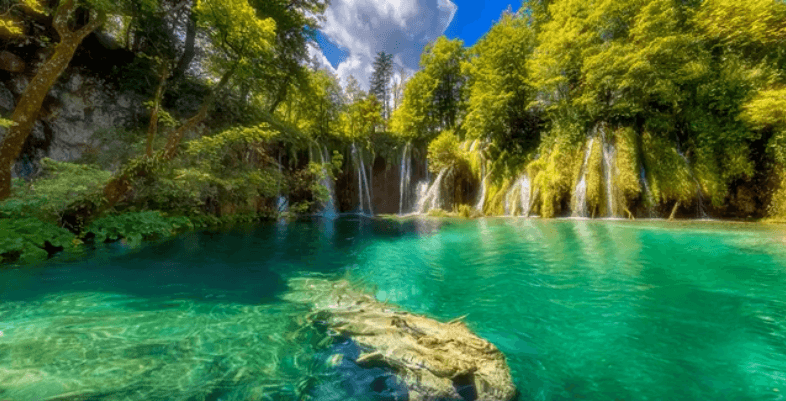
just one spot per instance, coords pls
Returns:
(79, 106)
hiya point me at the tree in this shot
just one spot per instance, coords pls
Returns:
(241, 39)
(499, 92)
(434, 98)
(380, 80)
(71, 34)
(353, 92)
(297, 22)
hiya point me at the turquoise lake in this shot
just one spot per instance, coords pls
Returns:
(582, 309)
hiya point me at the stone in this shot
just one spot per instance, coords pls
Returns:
(11, 62)
(18, 84)
(75, 83)
(7, 101)
(435, 360)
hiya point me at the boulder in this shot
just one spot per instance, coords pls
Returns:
(11, 62)
(435, 360)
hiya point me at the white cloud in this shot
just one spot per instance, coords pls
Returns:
(399, 27)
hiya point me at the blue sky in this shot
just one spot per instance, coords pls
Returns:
(355, 30)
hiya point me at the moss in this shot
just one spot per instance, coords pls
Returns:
(777, 208)
(554, 173)
(596, 194)
(667, 172)
(626, 163)
(495, 194)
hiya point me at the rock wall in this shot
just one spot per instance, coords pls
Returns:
(79, 106)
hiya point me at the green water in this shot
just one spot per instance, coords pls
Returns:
(583, 310)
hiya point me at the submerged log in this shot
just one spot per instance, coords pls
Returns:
(436, 361)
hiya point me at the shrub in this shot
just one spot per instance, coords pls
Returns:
(28, 239)
(136, 226)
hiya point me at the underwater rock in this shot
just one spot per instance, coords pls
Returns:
(435, 360)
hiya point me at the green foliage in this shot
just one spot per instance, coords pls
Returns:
(668, 173)
(498, 86)
(4, 123)
(136, 226)
(465, 211)
(434, 98)
(28, 239)
(626, 164)
(444, 152)
(60, 184)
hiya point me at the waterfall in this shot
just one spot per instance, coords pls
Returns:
(649, 198)
(608, 164)
(329, 208)
(364, 191)
(578, 202)
(525, 186)
(282, 203)
(405, 170)
(522, 192)
(430, 197)
(700, 212)
(482, 200)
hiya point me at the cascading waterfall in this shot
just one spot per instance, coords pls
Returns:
(649, 198)
(699, 196)
(578, 202)
(430, 197)
(329, 208)
(364, 191)
(525, 187)
(282, 203)
(405, 170)
(522, 192)
(608, 167)
(482, 200)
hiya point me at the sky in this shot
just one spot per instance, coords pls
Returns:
(356, 30)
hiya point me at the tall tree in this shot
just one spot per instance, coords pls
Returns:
(72, 31)
(241, 39)
(380, 80)
(434, 98)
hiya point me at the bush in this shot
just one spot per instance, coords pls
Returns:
(136, 226)
(28, 239)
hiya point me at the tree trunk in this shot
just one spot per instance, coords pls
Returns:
(152, 128)
(188, 51)
(119, 186)
(26, 111)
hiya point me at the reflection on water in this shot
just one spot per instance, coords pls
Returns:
(583, 309)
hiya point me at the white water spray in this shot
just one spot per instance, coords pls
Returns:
(430, 197)
(578, 202)
(405, 170)
(364, 191)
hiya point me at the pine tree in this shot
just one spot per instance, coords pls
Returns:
(380, 80)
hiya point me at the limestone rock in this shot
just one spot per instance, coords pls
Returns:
(11, 62)
(436, 361)
(7, 102)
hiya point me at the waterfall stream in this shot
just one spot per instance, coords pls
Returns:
(329, 208)
(364, 191)
(578, 203)
(648, 197)
(608, 169)
(430, 197)
(518, 198)
(405, 171)
(482, 199)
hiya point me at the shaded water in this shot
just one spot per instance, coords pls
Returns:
(590, 310)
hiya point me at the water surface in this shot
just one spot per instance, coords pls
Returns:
(584, 310)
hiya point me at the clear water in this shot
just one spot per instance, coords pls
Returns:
(584, 310)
